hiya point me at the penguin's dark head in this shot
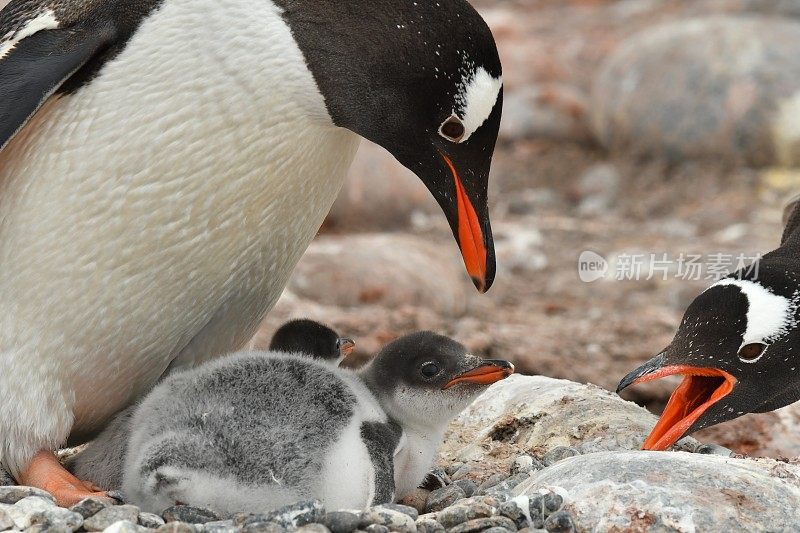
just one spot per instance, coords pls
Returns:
(311, 338)
(422, 79)
(430, 378)
(737, 350)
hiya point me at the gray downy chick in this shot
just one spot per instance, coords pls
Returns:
(258, 430)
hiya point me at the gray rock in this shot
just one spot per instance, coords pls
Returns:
(479, 524)
(733, 91)
(551, 111)
(462, 472)
(490, 482)
(496, 530)
(298, 514)
(560, 521)
(507, 484)
(467, 485)
(124, 526)
(263, 527)
(559, 453)
(598, 188)
(376, 528)
(6, 522)
(673, 491)
(341, 521)
(524, 464)
(429, 525)
(150, 520)
(545, 504)
(444, 497)
(14, 493)
(511, 509)
(181, 527)
(417, 499)
(35, 511)
(315, 528)
(189, 514)
(394, 520)
(88, 507)
(714, 449)
(110, 515)
(459, 513)
(405, 509)
(217, 526)
(452, 468)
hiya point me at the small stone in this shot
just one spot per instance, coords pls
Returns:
(376, 528)
(560, 521)
(341, 521)
(444, 497)
(435, 479)
(5, 521)
(108, 516)
(217, 526)
(508, 484)
(524, 464)
(429, 525)
(479, 524)
(461, 472)
(263, 527)
(123, 526)
(394, 520)
(491, 481)
(33, 511)
(545, 504)
(89, 507)
(316, 528)
(417, 499)
(177, 527)
(298, 514)
(492, 501)
(468, 486)
(452, 468)
(459, 513)
(559, 453)
(13, 494)
(151, 521)
(189, 514)
(497, 530)
(117, 495)
(714, 449)
(512, 510)
(405, 509)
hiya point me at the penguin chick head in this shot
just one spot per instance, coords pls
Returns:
(736, 350)
(425, 379)
(423, 80)
(311, 338)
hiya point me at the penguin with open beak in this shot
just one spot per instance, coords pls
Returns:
(736, 347)
(165, 163)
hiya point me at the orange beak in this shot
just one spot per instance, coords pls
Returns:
(470, 236)
(488, 372)
(700, 389)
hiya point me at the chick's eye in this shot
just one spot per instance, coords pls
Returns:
(748, 352)
(429, 370)
(452, 129)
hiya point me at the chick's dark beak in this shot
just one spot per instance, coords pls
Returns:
(486, 373)
(473, 232)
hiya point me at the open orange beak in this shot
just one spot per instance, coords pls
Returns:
(488, 372)
(700, 389)
(346, 346)
(471, 239)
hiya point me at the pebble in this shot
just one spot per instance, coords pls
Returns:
(497, 530)
(508, 484)
(461, 472)
(177, 527)
(491, 481)
(123, 526)
(298, 514)
(189, 514)
(460, 513)
(468, 486)
(714, 449)
(559, 453)
(108, 516)
(513, 511)
(405, 509)
(263, 527)
(218, 526)
(417, 498)
(452, 468)
(5, 521)
(316, 528)
(394, 520)
(376, 528)
(429, 525)
(32, 511)
(89, 507)
(444, 497)
(14, 493)
(151, 521)
(525, 463)
(480, 524)
(560, 521)
(341, 521)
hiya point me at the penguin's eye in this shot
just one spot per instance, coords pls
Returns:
(429, 369)
(452, 129)
(750, 352)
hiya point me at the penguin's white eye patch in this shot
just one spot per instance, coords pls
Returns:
(452, 129)
(429, 369)
(749, 353)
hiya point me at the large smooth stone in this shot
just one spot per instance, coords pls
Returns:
(719, 87)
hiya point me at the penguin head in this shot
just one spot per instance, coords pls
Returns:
(423, 80)
(736, 350)
(311, 338)
(426, 379)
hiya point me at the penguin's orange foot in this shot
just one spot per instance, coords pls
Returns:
(45, 472)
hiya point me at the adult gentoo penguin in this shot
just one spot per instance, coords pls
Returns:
(165, 163)
(256, 430)
(101, 462)
(737, 347)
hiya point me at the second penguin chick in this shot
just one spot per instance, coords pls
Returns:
(255, 431)
(311, 338)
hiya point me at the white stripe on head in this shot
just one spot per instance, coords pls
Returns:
(44, 21)
(768, 315)
(476, 98)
